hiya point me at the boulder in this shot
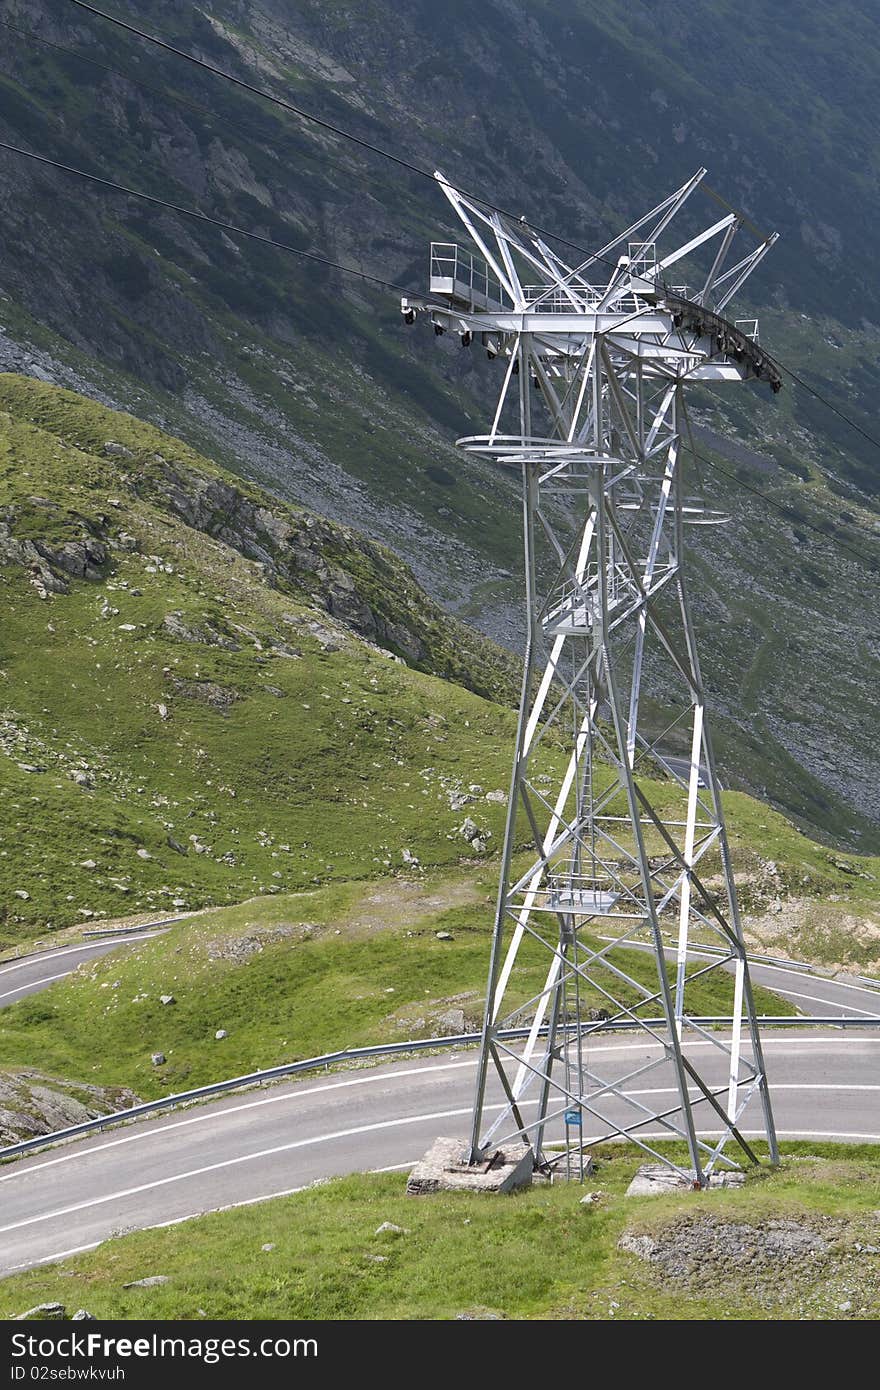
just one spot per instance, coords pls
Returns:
(43, 1312)
(451, 1023)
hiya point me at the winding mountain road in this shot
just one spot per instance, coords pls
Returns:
(32, 973)
(249, 1146)
(825, 997)
(259, 1144)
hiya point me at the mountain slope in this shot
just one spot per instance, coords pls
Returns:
(583, 115)
(194, 706)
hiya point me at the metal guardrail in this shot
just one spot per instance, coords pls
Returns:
(783, 963)
(106, 932)
(866, 980)
(356, 1054)
(122, 932)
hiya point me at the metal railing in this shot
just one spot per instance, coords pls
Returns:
(88, 933)
(456, 272)
(357, 1054)
(783, 963)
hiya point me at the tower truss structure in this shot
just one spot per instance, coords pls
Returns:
(615, 858)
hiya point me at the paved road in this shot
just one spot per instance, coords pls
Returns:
(259, 1144)
(842, 997)
(31, 974)
(811, 994)
(256, 1145)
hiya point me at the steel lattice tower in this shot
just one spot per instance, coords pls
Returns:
(624, 836)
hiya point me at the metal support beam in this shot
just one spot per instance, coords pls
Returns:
(613, 866)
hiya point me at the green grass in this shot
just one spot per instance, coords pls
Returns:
(250, 760)
(537, 1255)
(370, 949)
(282, 363)
(309, 768)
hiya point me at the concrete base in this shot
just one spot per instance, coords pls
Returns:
(653, 1179)
(445, 1168)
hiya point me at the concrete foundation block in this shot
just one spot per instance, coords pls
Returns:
(445, 1168)
(653, 1179)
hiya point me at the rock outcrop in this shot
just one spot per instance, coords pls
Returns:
(32, 1104)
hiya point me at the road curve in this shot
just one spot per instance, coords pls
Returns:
(30, 974)
(811, 993)
(844, 996)
(259, 1144)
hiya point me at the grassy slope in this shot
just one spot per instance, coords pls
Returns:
(538, 1255)
(265, 971)
(305, 769)
(311, 772)
(301, 747)
(289, 365)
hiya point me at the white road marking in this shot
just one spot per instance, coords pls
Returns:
(51, 1259)
(807, 974)
(774, 1087)
(233, 1206)
(346, 1134)
(820, 1086)
(234, 1110)
(68, 950)
(289, 1192)
(781, 1134)
(829, 1003)
(21, 1169)
(163, 1225)
(35, 984)
(233, 1162)
(801, 973)
(194, 1216)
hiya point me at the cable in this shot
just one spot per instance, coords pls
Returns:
(204, 217)
(425, 173)
(139, 82)
(373, 279)
(322, 260)
(746, 221)
(406, 164)
(363, 275)
(268, 96)
(337, 130)
(105, 67)
(766, 497)
(871, 438)
(255, 91)
(782, 509)
(322, 160)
